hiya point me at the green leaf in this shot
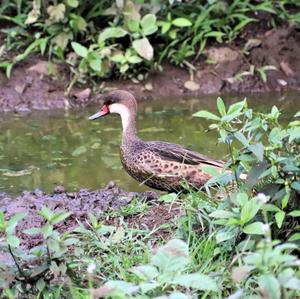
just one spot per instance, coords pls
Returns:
(145, 273)
(297, 114)
(242, 198)
(79, 49)
(249, 210)
(118, 236)
(143, 48)
(294, 133)
(124, 68)
(221, 214)
(279, 217)
(215, 34)
(47, 230)
(135, 59)
(221, 106)
(133, 25)
(56, 12)
(119, 58)
(79, 151)
(2, 220)
(148, 24)
(46, 213)
(62, 40)
(295, 213)
(269, 286)
(206, 114)
(119, 286)
(223, 236)
(293, 283)
(255, 228)
(182, 22)
(257, 150)
(70, 241)
(35, 13)
(95, 64)
(148, 20)
(196, 281)
(178, 295)
(294, 237)
(13, 221)
(296, 186)
(60, 216)
(241, 138)
(111, 32)
(170, 197)
(73, 3)
(236, 108)
(172, 257)
(13, 241)
(149, 286)
(165, 26)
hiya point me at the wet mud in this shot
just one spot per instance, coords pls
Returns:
(240, 67)
(80, 204)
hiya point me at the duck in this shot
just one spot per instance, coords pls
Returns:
(157, 164)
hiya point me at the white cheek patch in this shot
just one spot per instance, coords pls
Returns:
(123, 111)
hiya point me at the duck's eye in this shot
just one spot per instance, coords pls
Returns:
(110, 101)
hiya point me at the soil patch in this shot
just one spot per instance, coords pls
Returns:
(242, 67)
(80, 204)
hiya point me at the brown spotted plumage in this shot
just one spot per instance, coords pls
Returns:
(159, 165)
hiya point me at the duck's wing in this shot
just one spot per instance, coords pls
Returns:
(174, 152)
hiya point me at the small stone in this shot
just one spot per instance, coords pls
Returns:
(286, 68)
(22, 109)
(38, 192)
(191, 85)
(83, 94)
(222, 54)
(41, 68)
(282, 82)
(110, 185)
(59, 189)
(251, 44)
(149, 86)
(71, 194)
(20, 88)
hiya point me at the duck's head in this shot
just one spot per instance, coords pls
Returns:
(118, 101)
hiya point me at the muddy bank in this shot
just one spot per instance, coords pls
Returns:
(80, 204)
(240, 67)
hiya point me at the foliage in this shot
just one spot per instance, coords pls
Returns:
(117, 38)
(272, 186)
(244, 246)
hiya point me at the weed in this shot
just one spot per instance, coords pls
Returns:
(116, 38)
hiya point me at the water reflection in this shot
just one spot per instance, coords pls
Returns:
(43, 149)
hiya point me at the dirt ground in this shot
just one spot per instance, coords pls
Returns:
(31, 87)
(80, 204)
(233, 68)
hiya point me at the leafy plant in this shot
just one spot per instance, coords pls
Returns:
(166, 273)
(271, 188)
(128, 28)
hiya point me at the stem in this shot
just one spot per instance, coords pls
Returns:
(49, 254)
(233, 161)
(17, 264)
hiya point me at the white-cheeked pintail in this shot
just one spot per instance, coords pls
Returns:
(159, 165)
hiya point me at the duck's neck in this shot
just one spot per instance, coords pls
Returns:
(129, 127)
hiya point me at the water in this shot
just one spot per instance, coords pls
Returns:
(43, 149)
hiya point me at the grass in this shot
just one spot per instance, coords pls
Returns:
(100, 40)
(242, 245)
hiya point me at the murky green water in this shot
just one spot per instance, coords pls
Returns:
(43, 149)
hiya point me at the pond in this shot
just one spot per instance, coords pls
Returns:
(45, 149)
